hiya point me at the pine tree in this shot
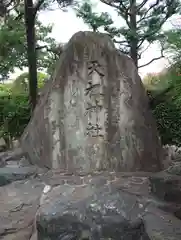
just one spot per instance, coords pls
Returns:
(143, 23)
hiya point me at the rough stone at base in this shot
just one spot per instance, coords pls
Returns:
(3, 144)
(166, 187)
(104, 209)
(87, 212)
(174, 168)
(19, 203)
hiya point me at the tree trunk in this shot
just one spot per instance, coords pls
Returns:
(133, 28)
(31, 51)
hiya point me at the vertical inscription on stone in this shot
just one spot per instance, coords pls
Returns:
(95, 101)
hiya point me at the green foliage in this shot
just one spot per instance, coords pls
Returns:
(142, 23)
(14, 115)
(14, 105)
(20, 84)
(94, 20)
(172, 43)
(151, 80)
(165, 101)
(5, 89)
(13, 46)
(168, 118)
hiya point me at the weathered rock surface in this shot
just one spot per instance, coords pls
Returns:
(19, 202)
(10, 174)
(171, 159)
(16, 167)
(93, 114)
(174, 168)
(114, 205)
(2, 144)
(20, 191)
(167, 187)
(12, 155)
(104, 206)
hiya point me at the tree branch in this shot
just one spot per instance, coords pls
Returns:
(121, 42)
(142, 41)
(154, 59)
(141, 5)
(110, 3)
(144, 50)
(8, 6)
(56, 50)
(143, 18)
(41, 47)
(151, 7)
(20, 15)
(37, 6)
(123, 11)
(147, 35)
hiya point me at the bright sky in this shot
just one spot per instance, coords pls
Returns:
(65, 24)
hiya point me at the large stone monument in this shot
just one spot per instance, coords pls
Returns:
(93, 114)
